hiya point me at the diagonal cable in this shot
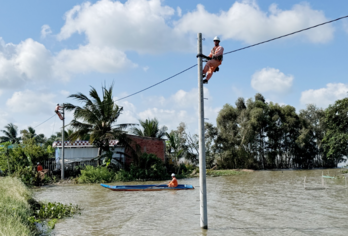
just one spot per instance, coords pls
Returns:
(286, 35)
(157, 83)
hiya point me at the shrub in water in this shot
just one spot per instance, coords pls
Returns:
(93, 174)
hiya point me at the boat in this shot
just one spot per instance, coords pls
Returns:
(152, 187)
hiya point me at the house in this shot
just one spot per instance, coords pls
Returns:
(82, 151)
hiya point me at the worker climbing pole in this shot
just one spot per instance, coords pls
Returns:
(202, 164)
(214, 60)
(57, 111)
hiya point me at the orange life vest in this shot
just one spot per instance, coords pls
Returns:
(173, 183)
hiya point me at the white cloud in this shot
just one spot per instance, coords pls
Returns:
(65, 93)
(178, 9)
(246, 22)
(146, 68)
(137, 25)
(90, 58)
(45, 30)
(145, 26)
(30, 102)
(345, 25)
(4, 119)
(323, 97)
(271, 80)
(28, 61)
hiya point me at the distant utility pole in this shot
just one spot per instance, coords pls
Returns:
(202, 166)
(62, 165)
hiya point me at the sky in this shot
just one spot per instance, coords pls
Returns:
(52, 49)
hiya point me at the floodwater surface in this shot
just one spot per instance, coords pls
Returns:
(257, 203)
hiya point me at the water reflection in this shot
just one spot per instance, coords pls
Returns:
(258, 203)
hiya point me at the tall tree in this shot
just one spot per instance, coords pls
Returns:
(335, 142)
(98, 118)
(150, 128)
(10, 134)
(30, 133)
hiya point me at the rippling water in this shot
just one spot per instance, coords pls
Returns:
(258, 203)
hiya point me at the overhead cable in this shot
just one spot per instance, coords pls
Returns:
(328, 22)
(158, 83)
(285, 35)
(45, 121)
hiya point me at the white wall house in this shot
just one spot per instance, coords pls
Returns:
(80, 151)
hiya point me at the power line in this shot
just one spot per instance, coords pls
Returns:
(158, 83)
(285, 35)
(253, 45)
(44, 121)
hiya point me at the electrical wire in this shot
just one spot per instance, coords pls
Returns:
(285, 35)
(158, 82)
(253, 45)
(44, 121)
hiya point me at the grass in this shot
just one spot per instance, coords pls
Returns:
(223, 172)
(19, 211)
(14, 208)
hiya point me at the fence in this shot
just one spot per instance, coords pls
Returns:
(53, 166)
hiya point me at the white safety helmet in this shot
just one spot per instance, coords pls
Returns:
(38, 163)
(173, 174)
(217, 38)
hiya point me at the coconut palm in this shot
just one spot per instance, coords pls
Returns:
(150, 128)
(30, 133)
(98, 119)
(10, 133)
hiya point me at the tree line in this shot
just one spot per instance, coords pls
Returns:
(263, 135)
(251, 134)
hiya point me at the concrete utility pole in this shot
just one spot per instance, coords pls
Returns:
(62, 165)
(202, 168)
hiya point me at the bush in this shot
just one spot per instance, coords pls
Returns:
(93, 174)
(149, 167)
(52, 210)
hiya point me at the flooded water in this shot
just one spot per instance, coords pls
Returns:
(258, 203)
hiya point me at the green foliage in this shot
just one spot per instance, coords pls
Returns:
(93, 174)
(335, 142)
(17, 157)
(150, 128)
(97, 118)
(20, 212)
(149, 167)
(56, 210)
(10, 134)
(260, 135)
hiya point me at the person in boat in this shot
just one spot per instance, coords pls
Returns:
(214, 60)
(58, 108)
(174, 182)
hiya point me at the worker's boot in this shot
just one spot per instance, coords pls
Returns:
(203, 76)
(205, 81)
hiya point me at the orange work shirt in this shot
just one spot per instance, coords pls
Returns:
(39, 168)
(173, 183)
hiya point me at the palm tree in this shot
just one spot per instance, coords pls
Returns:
(30, 133)
(150, 129)
(97, 118)
(10, 134)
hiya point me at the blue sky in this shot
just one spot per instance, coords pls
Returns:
(50, 49)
